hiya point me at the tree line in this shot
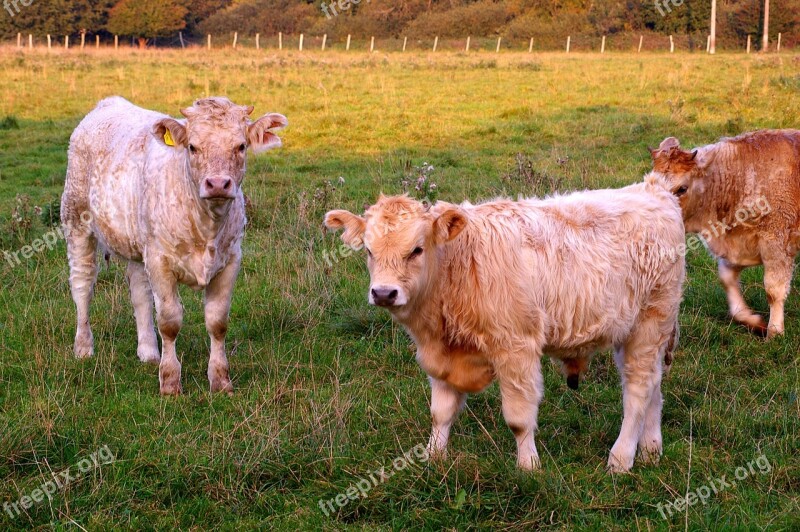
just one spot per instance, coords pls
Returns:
(547, 21)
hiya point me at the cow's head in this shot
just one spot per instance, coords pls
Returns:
(215, 137)
(681, 172)
(402, 238)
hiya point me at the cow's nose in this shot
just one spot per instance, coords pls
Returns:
(218, 186)
(384, 297)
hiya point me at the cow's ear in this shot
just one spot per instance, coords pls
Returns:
(354, 227)
(669, 143)
(449, 225)
(171, 133)
(260, 135)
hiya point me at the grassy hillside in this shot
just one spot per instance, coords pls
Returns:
(327, 389)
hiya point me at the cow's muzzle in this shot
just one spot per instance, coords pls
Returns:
(386, 296)
(217, 188)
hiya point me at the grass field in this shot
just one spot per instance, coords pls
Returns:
(327, 388)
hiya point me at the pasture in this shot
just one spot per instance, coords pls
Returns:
(326, 388)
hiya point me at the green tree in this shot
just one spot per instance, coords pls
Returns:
(145, 19)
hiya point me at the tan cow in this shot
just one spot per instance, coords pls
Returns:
(164, 195)
(742, 195)
(486, 290)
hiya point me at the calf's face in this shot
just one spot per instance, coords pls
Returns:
(215, 137)
(402, 238)
(681, 172)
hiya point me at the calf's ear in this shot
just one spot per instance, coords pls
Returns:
(170, 132)
(449, 225)
(354, 227)
(259, 133)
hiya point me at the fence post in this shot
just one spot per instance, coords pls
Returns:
(19, 40)
(235, 39)
(748, 44)
(405, 40)
(66, 42)
(258, 41)
(347, 47)
(83, 39)
(530, 46)
(603, 45)
(324, 40)
(641, 42)
(497, 50)
(372, 44)
(209, 41)
(301, 42)
(708, 45)
(49, 42)
(569, 39)
(466, 48)
(671, 44)
(97, 41)
(116, 42)
(180, 36)
(30, 41)
(778, 49)
(435, 42)
(280, 40)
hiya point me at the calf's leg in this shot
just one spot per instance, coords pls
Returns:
(142, 300)
(82, 255)
(778, 269)
(446, 403)
(639, 363)
(169, 314)
(741, 313)
(217, 307)
(521, 391)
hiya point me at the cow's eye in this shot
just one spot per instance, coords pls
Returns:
(681, 190)
(416, 253)
(242, 147)
(192, 149)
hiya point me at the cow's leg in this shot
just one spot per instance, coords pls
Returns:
(82, 255)
(169, 314)
(142, 300)
(777, 279)
(741, 313)
(650, 442)
(639, 361)
(521, 391)
(446, 403)
(217, 306)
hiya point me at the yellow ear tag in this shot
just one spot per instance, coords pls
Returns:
(168, 138)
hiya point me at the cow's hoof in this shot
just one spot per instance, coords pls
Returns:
(222, 385)
(84, 349)
(171, 389)
(650, 455)
(772, 332)
(531, 463)
(619, 465)
(756, 325)
(148, 354)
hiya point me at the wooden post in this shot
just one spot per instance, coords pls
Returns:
(569, 39)
(405, 40)
(30, 41)
(712, 39)
(497, 50)
(97, 41)
(66, 42)
(435, 42)
(49, 42)
(83, 39)
(258, 41)
(180, 36)
(765, 39)
(19, 40)
(603, 45)
(347, 47)
(324, 40)
(209, 41)
(748, 44)
(280, 40)
(301, 42)
(779, 43)
(236, 38)
(530, 46)
(671, 44)
(708, 44)
(466, 48)
(641, 42)
(372, 44)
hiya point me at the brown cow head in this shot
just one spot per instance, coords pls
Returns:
(402, 237)
(215, 136)
(681, 172)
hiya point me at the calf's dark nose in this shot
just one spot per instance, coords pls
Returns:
(384, 297)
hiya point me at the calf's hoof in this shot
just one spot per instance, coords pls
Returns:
(84, 345)
(148, 354)
(650, 455)
(169, 379)
(222, 385)
(756, 325)
(529, 463)
(772, 332)
(619, 464)
(173, 389)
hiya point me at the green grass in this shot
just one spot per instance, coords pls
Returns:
(327, 389)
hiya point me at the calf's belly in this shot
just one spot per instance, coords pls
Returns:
(466, 372)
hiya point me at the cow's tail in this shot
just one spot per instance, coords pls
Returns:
(671, 347)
